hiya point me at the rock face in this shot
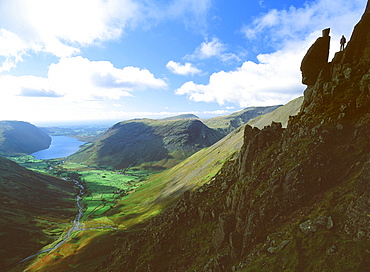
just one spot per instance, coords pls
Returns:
(22, 137)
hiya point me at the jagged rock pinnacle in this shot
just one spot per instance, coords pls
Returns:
(315, 58)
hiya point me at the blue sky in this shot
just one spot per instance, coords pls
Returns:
(96, 60)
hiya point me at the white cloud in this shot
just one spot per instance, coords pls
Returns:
(74, 89)
(78, 79)
(61, 27)
(275, 78)
(186, 69)
(212, 49)
(12, 48)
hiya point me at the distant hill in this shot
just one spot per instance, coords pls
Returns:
(32, 207)
(22, 137)
(150, 143)
(226, 124)
(180, 117)
(280, 115)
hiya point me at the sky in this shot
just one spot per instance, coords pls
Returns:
(97, 61)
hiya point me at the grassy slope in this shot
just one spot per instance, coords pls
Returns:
(34, 210)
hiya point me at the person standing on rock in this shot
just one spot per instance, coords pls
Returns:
(342, 43)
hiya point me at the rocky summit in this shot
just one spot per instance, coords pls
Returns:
(295, 199)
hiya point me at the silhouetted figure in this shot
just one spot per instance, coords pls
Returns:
(342, 43)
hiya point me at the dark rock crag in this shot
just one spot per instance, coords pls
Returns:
(316, 58)
(296, 199)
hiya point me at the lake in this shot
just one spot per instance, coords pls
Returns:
(61, 146)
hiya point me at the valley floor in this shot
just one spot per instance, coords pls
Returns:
(100, 190)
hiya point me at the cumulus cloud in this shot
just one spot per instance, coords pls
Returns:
(212, 49)
(12, 48)
(275, 77)
(62, 28)
(186, 69)
(274, 80)
(79, 79)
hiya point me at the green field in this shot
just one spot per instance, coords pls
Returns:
(103, 187)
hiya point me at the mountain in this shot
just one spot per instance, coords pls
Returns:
(22, 137)
(150, 143)
(34, 208)
(294, 199)
(226, 124)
